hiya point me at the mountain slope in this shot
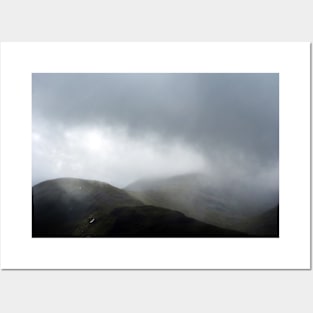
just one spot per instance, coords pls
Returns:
(60, 205)
(150, 221)
(190, 194)
(264, 224)
(184, 206)
(71, 207)
(197, 197)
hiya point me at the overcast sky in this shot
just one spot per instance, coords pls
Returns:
(119, 128)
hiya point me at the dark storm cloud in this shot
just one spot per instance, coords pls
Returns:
(231, 120)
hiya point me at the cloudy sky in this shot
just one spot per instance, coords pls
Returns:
(119, 128)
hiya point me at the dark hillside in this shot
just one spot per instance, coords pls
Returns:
(150, 221)
(60, 205)
(70, 207)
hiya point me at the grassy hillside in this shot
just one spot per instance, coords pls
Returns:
(63, 205)
(69, 207)
(198, 198)
(150, 221)
(264, 224)
(192, 195)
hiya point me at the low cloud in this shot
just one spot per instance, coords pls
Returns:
(121, 127)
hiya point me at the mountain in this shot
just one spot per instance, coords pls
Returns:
(226, 206)
(190, 194)
(150, 221)
(61, 206)
(71, 207)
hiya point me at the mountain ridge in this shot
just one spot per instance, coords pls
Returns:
(70, 207)
(73, 207)
(198, 197)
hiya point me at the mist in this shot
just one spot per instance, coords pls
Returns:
(119, 128)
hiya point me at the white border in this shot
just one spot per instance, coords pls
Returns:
(290, 251)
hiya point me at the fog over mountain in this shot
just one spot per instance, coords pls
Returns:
(120, 128)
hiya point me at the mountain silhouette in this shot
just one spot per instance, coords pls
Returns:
(197, 197)
(60, 206)
(70, 207)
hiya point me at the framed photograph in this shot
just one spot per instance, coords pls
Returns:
(155, 156)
